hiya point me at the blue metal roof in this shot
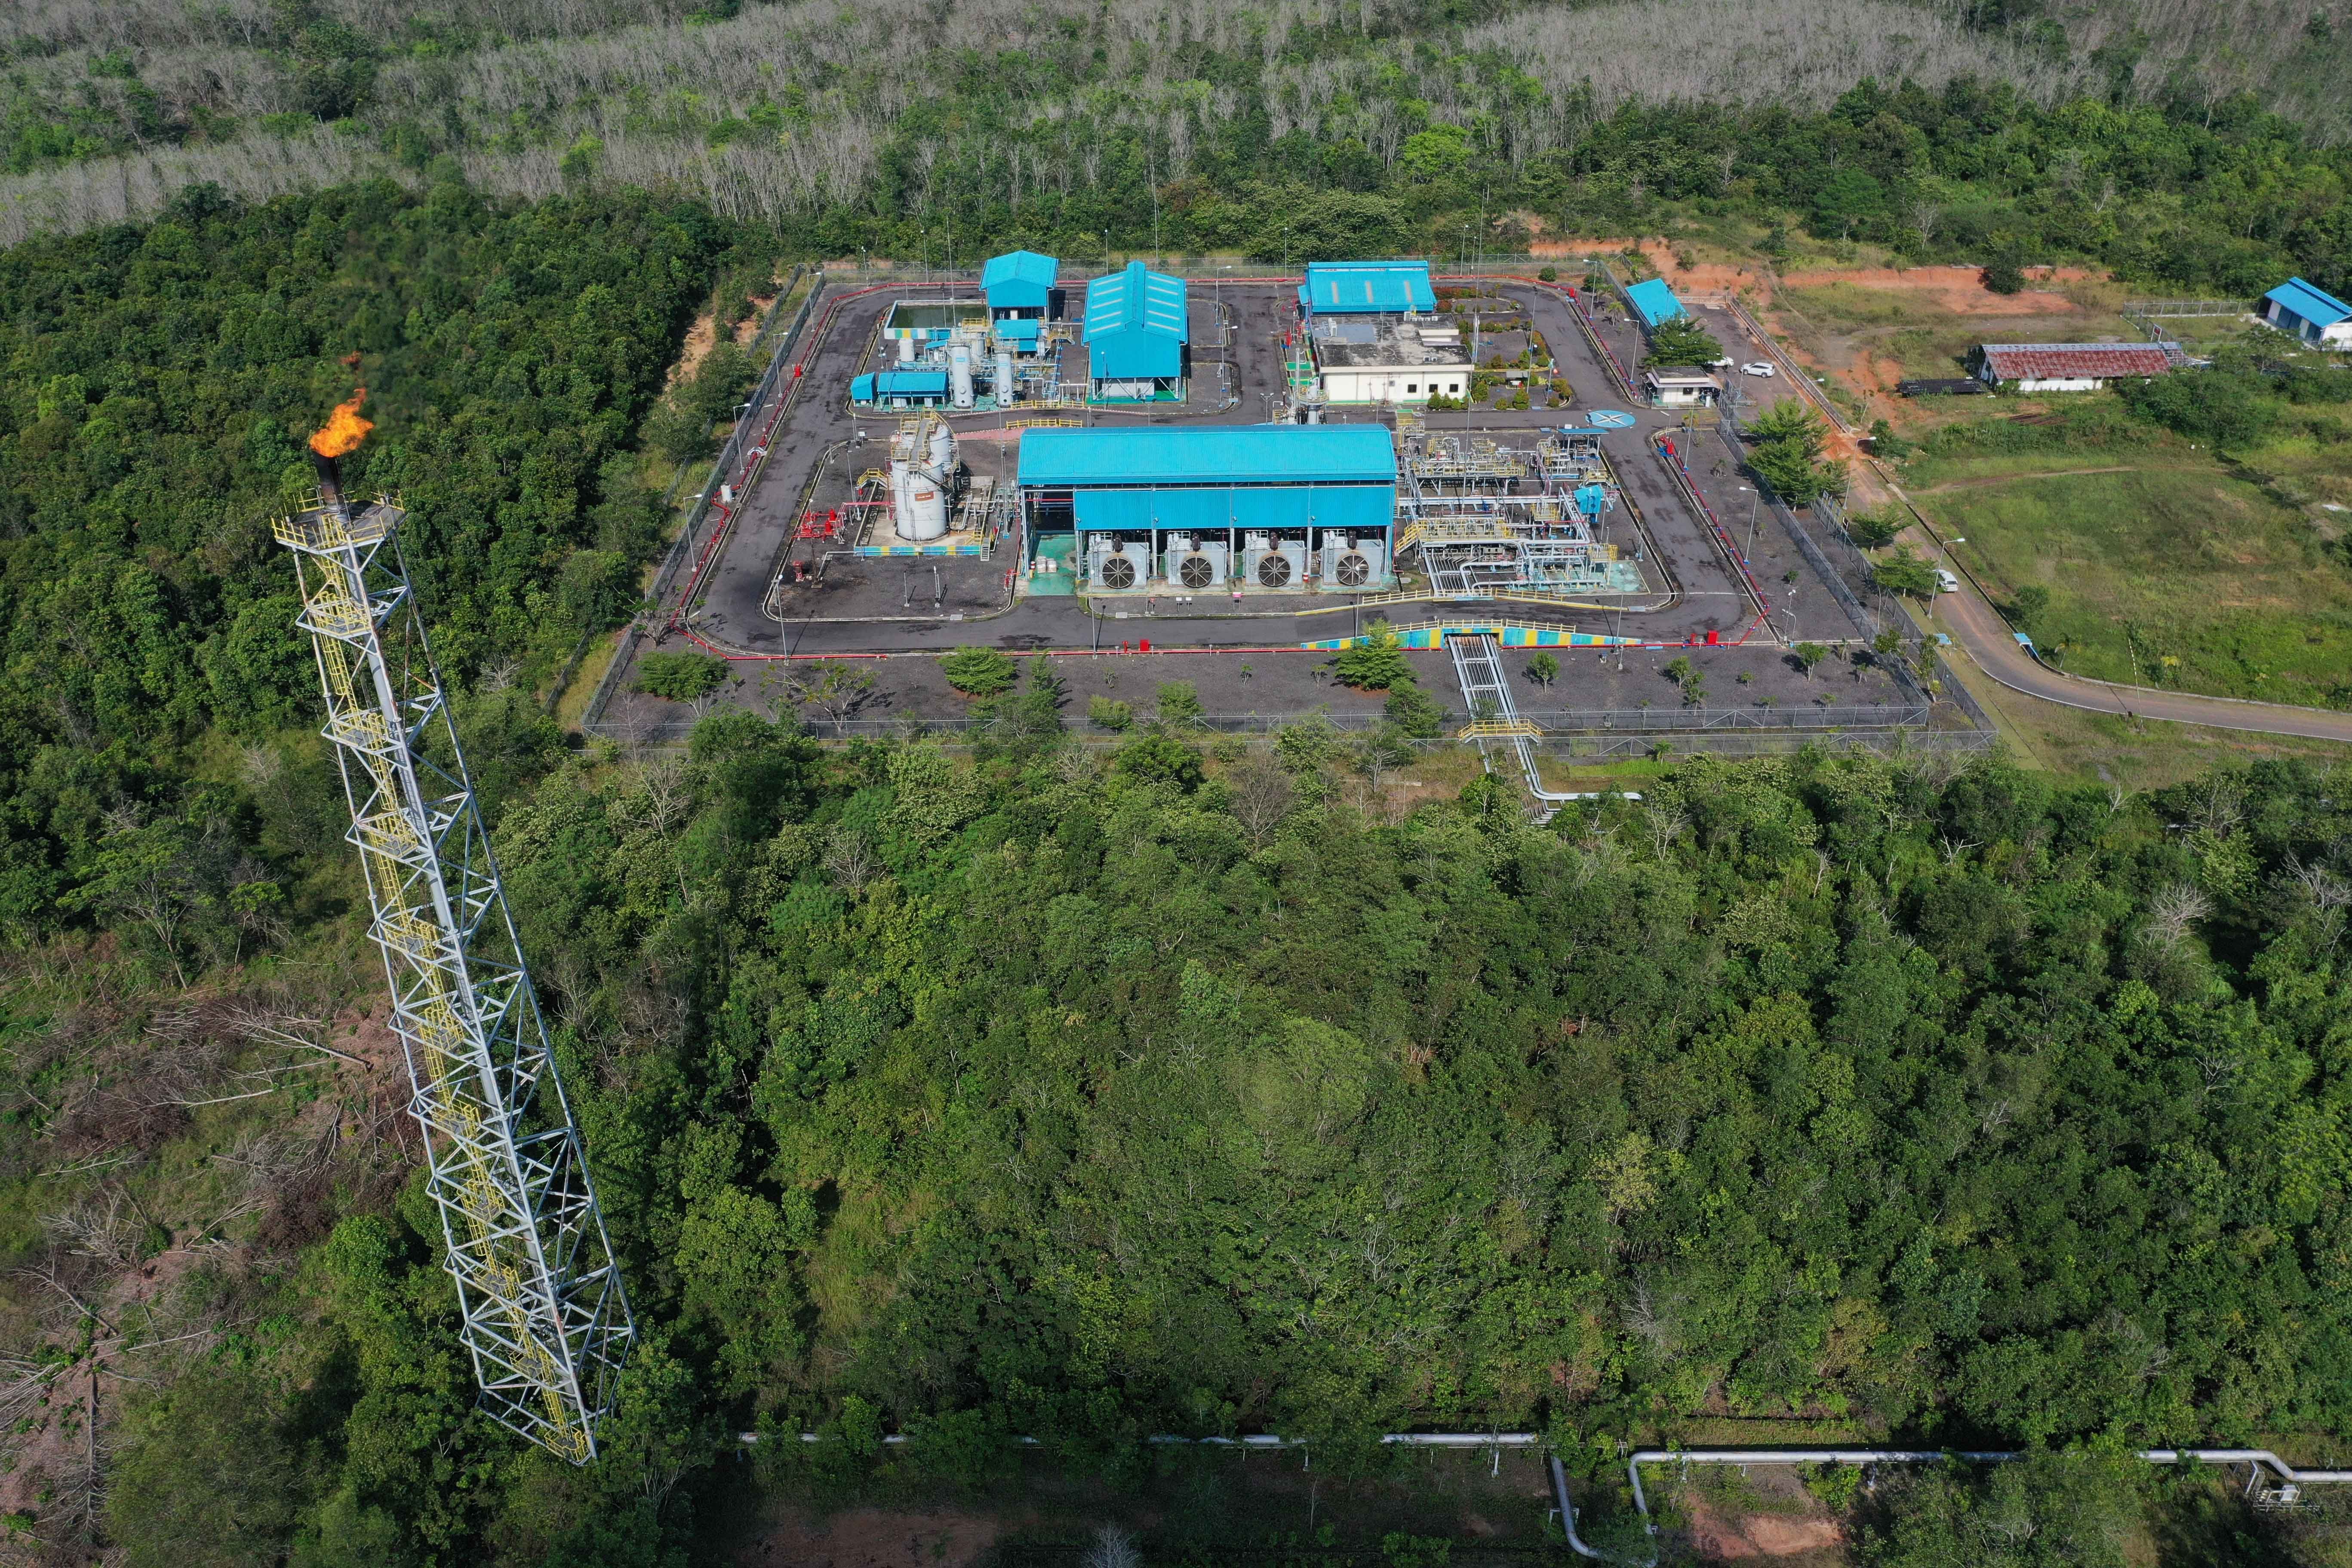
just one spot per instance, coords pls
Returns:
(2313, 304)
(1018, 279)
(898, 383)
(1655, 301)
(1136, 327)
(1211, 454)
(1360, 287)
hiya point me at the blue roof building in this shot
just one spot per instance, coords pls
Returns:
(1655, 301)
(1212, 479)
(1019, 280)
(1135, 332)
(2310, 312)
(1367, 287)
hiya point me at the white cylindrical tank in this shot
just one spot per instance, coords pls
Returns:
(927, 504)
(902, 483)
(960, 374)
(906, 351)
(944, 450)
(1007, 389)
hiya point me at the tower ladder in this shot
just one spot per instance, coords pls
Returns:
(546, 1318)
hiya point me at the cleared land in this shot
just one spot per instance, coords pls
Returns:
(1873, 329)
(2175, 572)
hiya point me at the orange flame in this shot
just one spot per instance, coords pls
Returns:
(344, 429)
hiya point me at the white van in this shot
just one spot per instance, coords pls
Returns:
(1945, 582)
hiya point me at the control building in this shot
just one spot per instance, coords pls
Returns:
(1258, 507)
(1375, 334)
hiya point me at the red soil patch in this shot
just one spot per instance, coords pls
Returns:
(701, 338)
(1721, 1538)
(1706, 277)
(873, 1538)
(1959, 289)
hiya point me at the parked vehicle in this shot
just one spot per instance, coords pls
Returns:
(1945, 582)
(1757, 368)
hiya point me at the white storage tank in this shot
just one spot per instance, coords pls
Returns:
(1007, 388)
(927, 504)
(960, 374)
(902, 480)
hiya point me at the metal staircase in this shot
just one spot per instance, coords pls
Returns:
(545, 1316)
(1494, 718)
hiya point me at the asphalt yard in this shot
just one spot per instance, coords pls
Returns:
(769, 592)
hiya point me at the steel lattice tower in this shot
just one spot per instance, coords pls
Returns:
(546, 1317)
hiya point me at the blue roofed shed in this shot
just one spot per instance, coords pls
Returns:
(2310, 312)
(1136, 328)
(1211, 478)
(1018, 280)
(1367, 287)
(1655, 301)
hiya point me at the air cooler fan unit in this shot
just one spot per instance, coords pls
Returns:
(1351, 562)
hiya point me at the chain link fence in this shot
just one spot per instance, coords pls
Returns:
(752, 422)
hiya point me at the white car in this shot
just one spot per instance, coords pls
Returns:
(1757, 368)
(1945, 582)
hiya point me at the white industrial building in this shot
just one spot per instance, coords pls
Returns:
(1389, 359)
(1681, 386)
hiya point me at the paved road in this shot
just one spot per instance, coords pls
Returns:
(1974, 624)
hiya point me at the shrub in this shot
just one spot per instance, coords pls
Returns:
(1104, 713)
(2226, 409)
(1549, 275)
(1414, 711)
(1179, 706)
(680, 677)
(1160, 760)
(1374, 665)
(978, 672)
(1875, 529)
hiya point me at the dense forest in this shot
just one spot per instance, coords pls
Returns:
(930, 133)
(158, 383)
(1041, 1093)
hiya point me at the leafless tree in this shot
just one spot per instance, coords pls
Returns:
(850, 860)
(1926, 214)
(2174, 912)
(1261, 796)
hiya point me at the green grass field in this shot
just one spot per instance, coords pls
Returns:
(2173, 570)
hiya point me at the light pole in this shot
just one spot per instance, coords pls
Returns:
(1750, 553)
